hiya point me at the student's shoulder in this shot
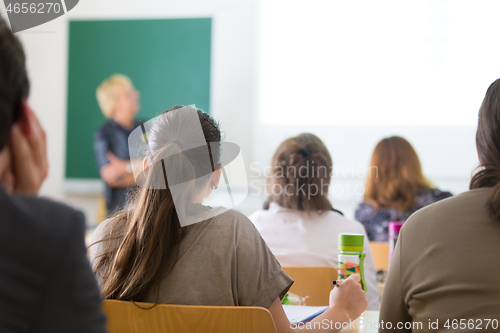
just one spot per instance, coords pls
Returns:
(231, 215)
(48, 219)
(102, 230)
(424, 197)
(113, 226)
(365, 210)
(40, 233)
(364, 205)
(234, 221)
(341, 222)
(271, 213)
(260, 216)
(461, 205)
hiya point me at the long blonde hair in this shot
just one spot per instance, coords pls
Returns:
(141, 247)
(394, 176)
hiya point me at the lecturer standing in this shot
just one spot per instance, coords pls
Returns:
(119, 102)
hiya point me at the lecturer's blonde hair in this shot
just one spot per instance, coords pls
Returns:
(109, 91)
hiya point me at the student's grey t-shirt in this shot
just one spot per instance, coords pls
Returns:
(221, 261)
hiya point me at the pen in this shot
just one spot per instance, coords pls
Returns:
(336, 283)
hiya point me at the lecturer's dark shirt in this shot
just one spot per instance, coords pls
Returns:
(112, 137)
(46, 283)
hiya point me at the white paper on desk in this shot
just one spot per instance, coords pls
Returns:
(297, 313)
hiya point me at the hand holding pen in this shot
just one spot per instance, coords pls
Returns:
(349, 299)
(336, 283)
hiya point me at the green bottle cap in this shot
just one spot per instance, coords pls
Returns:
(351, 242)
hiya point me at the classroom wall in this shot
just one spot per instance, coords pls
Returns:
(355, 73)
(232, 77)
(447, 153)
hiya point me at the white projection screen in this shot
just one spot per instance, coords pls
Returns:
(377, 62)
(354, 72)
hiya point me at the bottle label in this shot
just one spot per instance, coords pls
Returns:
(346, 269)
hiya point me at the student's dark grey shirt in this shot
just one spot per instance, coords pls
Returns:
(46, 284)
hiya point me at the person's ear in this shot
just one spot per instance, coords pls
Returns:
(215, 178)
(145, 166)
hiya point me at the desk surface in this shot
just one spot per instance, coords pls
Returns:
(366, 323)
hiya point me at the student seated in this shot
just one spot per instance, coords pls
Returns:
(46, 284)
(298, 222)
(144, 254)
(445, 268)
(395, 188)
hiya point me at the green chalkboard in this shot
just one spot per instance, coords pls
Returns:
(168, 61)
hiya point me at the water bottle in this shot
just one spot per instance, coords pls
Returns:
(351, 257)
(393, 228)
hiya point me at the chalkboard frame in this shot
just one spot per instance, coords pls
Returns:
(168, 60)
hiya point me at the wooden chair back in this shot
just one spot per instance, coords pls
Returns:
(102, 210)
(380, 252)
(315, 282)
(128, 317)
